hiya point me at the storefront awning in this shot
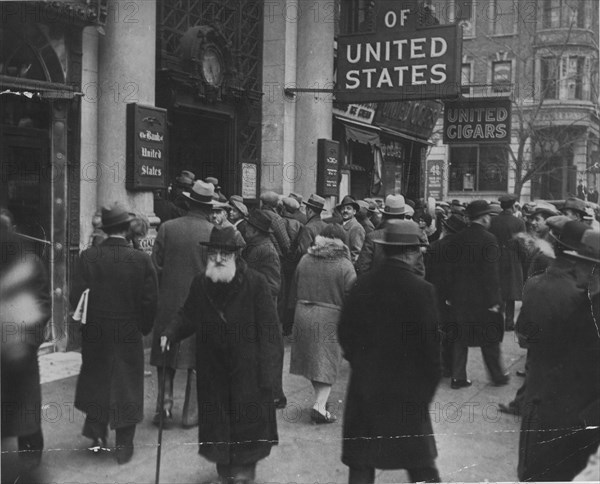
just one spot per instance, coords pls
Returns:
(398, 134)
(360, 132)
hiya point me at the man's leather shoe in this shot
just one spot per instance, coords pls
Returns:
(456, 384)
(503, 381)
(510, 409)
(280, 403)
(521, 373)
(98, 444)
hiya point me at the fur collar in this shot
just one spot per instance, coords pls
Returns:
(326, 248)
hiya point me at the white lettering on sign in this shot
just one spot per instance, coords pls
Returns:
(151, 171)
(471, 115)
(153, 153)
(150, 136)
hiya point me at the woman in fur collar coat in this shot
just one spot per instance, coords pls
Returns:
(323, 278)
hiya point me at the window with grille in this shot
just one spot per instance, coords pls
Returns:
(565, 13)
(478, 168)
(502, 16)
(549, 78)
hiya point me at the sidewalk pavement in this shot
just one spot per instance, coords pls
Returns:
(475, 442)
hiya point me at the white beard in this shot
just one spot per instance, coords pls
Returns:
(221, 273)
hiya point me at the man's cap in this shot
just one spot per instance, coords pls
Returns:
(270, 198)
(348, 200)
(544, 208)
(290, 204)
(556, 223)
(373, 207)
(409, 211)
(223, 238)
(214, 181)
(117, 215)
(201, 193)
(186, 179)
(296, 197)
(507, 198)
(478, 208)
(221, 206)
(364, 205)
(316, 202)
(574, 204)
(237, 201)
(260, 221)
(394, 205)
(454, 223)
(400, 233)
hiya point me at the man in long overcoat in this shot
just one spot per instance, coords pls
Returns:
(388, 333)
(475, 296)
(559, 318)
(231, 311)
(178, 258)
(505, 227)
(121, 308)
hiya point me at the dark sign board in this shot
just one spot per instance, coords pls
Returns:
(146, 147)
(435, 169)
(416, 118)
(477, 121)
(399, 60)
(328, 156)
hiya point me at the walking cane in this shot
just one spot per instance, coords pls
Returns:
(161, 417)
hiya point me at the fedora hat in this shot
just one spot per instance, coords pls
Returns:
(111, 217)
(186, 179)
(202, 193)
(260, 221)
(316, 202)
(394, 205)
(373, 207)
(590, 250)
(236, 201)
(574, 204)
(223, 238)
(454, 223)
(348, 200)
(478, 208)
(400, 232)
(571, 234)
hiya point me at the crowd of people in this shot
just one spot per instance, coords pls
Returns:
(400, 289)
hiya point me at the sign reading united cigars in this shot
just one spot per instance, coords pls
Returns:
(146, 147)
(400, 60)
(477, 121)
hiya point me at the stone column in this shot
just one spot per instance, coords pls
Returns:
(126, 73)
(314, 70)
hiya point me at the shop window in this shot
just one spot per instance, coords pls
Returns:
(478, 168)
(503, 18)
(466, 71)
(501, 76)
(564, 13)
(357, 16)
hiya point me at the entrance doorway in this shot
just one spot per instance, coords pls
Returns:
(202, 143)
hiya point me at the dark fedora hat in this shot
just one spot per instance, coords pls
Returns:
(454, 223)
(574, 204)
(202, 193)
(477, 208)
(111, 217)
(571, 235)
(348, 200)
(316, 202)
(260, 221)
(186, 179)
(223, 238)
(400, 232)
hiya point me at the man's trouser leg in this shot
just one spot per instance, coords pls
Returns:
(424, 474)
(361, 475)
(492, 358)
(509, 315)
(31, 448)
(460, 353)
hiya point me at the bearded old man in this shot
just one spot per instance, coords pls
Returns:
(231, 310)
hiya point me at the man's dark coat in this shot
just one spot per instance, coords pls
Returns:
(563, 376)
(237, 342)
(122, 305)
(475, 285)
(388, 333)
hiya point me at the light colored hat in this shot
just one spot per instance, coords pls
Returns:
(296, 197)
(574, 204)
(237, 202)
(202, 193)
(290, 204)
(316, 202)
(544, 208)
(270, 198)
(409, 211)
(394, 205)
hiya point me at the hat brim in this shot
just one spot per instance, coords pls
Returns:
(240, 207)
(210, 203)
(405, 244)
(130, 217)
(353, 204)
(311, 205)
(257, 227)
(230, 248)
(384, 212)
(576, 255)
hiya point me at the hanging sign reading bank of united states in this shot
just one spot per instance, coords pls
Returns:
(477, 121)
(146, 147)
(399, 60)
